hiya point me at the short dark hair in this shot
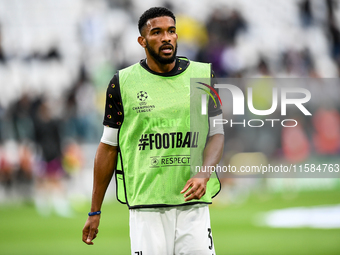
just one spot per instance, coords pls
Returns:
(154, 12)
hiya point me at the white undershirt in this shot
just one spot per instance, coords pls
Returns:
(110, 136)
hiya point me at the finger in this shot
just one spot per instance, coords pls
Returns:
(86, 231)
(191, 197)
(89, 242)
(192, 194)
(197, 194)
(194, 188)
(85, 234)
(186, 187)
(90, 237)
(201, 194)
(191, 191)
(95, 234)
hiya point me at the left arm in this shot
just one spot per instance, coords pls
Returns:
(211, 156)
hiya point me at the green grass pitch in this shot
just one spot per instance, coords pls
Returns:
(23, 231)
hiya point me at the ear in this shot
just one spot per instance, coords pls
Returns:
(142, 41)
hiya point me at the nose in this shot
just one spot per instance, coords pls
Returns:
(166, 37)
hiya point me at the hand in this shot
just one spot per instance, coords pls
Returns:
(198, 185)
(90, 229)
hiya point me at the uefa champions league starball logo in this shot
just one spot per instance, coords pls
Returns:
(142, 96)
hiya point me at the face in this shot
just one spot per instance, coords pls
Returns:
(159, 38)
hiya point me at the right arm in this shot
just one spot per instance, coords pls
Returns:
(104, 165)
(106, 157)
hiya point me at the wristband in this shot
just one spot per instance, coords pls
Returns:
(94, 213)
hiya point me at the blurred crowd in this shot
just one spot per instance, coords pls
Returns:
(57, 57)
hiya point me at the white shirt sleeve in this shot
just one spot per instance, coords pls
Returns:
(110, 136)
(215, 128)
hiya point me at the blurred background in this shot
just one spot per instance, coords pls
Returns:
(56, 59)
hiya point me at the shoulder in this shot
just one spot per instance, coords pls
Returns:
(125, 72)
(200, 68)
(128, 68)
(199, 64)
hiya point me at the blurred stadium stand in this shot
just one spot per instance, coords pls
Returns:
(63, 53)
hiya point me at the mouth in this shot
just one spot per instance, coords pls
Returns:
(167, 49)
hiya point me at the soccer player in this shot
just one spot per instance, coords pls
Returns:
(154, 136)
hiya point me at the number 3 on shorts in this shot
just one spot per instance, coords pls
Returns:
(210, 237)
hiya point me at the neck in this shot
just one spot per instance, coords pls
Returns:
(158, 67)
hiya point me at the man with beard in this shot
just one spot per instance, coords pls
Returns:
(153, 136)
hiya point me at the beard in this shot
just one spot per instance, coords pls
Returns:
(160, 59)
